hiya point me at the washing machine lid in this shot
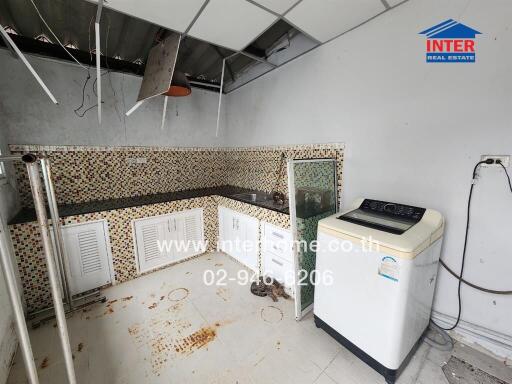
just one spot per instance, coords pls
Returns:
(396, 229)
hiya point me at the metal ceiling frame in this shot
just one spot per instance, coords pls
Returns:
(321, 44)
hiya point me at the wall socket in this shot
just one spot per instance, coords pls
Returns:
(505, 160)
(136, 160)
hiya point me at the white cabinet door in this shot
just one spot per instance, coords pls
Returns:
(251, 237)
(88, 256)
(154, 243)
(238, 236)
(189, 232)
(164, 239)
(226, 230)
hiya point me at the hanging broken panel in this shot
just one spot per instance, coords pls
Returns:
(312, 198)
(159, 68)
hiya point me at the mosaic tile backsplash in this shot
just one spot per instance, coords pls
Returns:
(84, 174)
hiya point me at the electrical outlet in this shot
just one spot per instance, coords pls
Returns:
(136, 160)
(505, 160)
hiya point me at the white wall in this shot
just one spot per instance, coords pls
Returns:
(413, 131)
(31, 118)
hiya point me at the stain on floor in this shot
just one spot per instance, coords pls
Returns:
(194, 341)
(178, 294)
(271, 314)
(223, 293)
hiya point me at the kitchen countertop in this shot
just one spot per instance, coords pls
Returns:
(26, 215)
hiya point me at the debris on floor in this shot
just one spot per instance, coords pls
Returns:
(269, 287)
(45, 363)
(458, 371)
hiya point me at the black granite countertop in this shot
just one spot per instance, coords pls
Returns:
(26, 215)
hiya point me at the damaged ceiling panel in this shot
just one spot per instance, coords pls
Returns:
(278, 45)
(257, 31)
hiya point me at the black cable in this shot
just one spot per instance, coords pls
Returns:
(83, 96)
(506, 173)
(460, 276)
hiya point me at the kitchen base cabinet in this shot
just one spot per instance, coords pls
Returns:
(239, 237)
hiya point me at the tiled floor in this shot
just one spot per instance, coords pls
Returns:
(169, 327)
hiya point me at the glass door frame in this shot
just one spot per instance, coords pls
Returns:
(299, 312)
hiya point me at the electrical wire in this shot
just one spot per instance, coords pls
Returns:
(445, 345)
(494, 292)
(83, 96)
(55, 36)
(460, 276)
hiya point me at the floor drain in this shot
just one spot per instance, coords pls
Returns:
(457, 371)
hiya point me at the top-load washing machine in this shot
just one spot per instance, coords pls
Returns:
(383, 258)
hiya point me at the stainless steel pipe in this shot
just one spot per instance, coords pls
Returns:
(37, 193)
(10, 157)
(62, 260)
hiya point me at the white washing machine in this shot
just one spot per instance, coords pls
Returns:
(383, 258)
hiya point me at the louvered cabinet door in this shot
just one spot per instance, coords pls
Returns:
(88, 256)
(190, 233)
(153, 247)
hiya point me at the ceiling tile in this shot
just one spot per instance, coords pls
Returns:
(231, 23)
(278, 6)
(172, 14)
(328, 18)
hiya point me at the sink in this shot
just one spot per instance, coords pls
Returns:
(253, 197)
(260, 198)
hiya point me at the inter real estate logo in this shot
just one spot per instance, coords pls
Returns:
(450, 42)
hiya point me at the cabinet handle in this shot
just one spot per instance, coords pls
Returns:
(175, 228)
(169, 225)
(233, 222)
(278, 235)
(277, 262)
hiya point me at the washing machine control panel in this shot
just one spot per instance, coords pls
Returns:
(385, 208)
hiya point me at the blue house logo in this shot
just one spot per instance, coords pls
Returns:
(450, 42)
